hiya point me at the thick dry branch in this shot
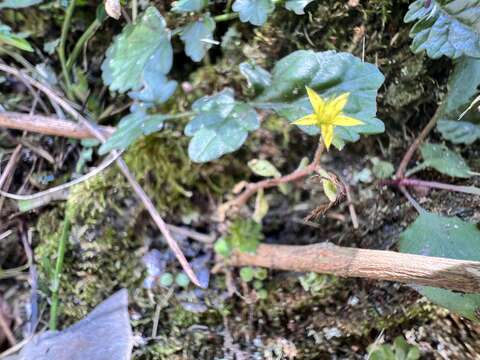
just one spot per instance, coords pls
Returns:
(48, 125)
(458, 275)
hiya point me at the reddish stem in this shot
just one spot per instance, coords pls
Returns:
(432, 185)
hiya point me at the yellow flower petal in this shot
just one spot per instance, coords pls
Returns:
(306, 120)
(343, 120)
(327, 135)
(317, 102)
(334, 107)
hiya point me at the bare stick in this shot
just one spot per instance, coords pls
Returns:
(48, 125)
(458, 275)
(94, 130)
(10, 165)
(5, 177)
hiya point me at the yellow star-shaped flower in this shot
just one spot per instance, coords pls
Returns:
(327, 114)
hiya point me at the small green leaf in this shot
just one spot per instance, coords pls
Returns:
(445, 27)
(262, 294)
(257, 77)
(182, 280)
(382, 169)
(261, 274)
(198, 37)
(447, 237)
(330, 190)
(183, 6)
(444, 160)
(50, 46)
(18, 4)
(264, 168)
(130, 128)
(297, 6)
(261, 206)
(156, 89)
(463, 86)
(140, 46)
(221, 126)
(257, 284)
(7, 37)
(330, 74)
(253, 11)
(166, 279)
(246, 273)
(244, 235)
(222, 247)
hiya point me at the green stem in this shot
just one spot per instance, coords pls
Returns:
(228, 8)
(416, 169)
(181, 115)
(86, 36)
(134, 10)
(225, 17)
(55, 286)
(61, 47)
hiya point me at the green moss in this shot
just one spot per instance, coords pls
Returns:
(103, 249)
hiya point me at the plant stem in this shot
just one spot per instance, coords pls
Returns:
(252, 188)
(417, 142)
(55, 286)
(61, 48)
(134, 10)
(415, 169)
(433, 185)
(86, 36)
(225, 17)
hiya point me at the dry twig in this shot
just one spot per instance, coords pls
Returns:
(48, 125)
(453, 274)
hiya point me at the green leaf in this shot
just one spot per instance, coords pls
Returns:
(140, 46)
(166, 280)
(253, 11)
(156, 89)
(198, 37)
(330, 74)
(183, 6)
(246, 273)
(222, 247)
(459, 132)
(17, 4)
(444, 160)
(221, 126)
(445, 27)
(382, 169)
(330, 190)
(130, 128)
(7, 37)
(244, 235)
(261, 206)
(257, 77)
(447, 237)
(297, 6)
(463, 86)
(182, 280)
(264, 168)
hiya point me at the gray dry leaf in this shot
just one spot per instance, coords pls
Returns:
(104, 334)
